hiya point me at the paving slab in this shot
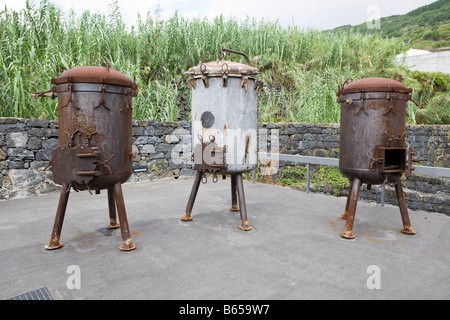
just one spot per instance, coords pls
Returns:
(294, 250)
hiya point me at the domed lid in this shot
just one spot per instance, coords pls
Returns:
(373, 85)
(91, 74)
(224, 67)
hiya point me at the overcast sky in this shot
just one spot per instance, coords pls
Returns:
(318, 14)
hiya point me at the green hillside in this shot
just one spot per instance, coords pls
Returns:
(427, 27)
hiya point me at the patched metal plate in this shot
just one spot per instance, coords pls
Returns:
(77, 164)
(39, 294)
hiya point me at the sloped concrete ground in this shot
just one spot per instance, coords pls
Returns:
(293, 252)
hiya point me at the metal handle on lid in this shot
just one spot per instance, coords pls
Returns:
(415, 102)
(45, 94)
(342, 85)
(223, 50)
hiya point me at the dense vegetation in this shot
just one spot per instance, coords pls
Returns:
(427, 27)
(302, 68)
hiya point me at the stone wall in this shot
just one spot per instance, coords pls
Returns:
(26, 144)
(158, 148)
(431, 144)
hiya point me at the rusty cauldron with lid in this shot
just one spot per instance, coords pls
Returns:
(224, 126)
(94, 151)
(372, 147)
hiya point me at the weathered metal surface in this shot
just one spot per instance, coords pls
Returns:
(94, 152)
(372, 131)
(59, 219)
(234, 196)
(373, 85)
(224, 126)
(372, 147)
(224, 67)
(350, 208)
(208, 156)
(71, 165)
(102, 121)
(94, 74)
(235, 122)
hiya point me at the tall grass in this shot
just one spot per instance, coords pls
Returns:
(302, 68)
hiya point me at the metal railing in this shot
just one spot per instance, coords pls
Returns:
(419, 170)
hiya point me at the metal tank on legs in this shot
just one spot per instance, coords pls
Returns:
(372, 143)
(224, 126)
(94, 152)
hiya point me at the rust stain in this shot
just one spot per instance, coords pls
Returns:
(333, 223)
(364, 235)
(247, 145)
(79, 236)
(136, 234)
(380, 241)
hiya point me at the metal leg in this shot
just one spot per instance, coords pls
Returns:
(112, 210)
(234, 205)
(190, 204)
(344, 216)
(59, 219)
(240, 189)
(352, 202)
(403, 208)
(126, 237)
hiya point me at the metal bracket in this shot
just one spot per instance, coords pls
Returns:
(129, 93)
(70, 88)
(395, 141)
(191, 83)
(244, 83)
(225, 72)
(204, 72)
(362, 98)
(102, 98)
(391, 105)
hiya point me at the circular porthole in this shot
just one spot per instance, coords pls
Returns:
(207, 119)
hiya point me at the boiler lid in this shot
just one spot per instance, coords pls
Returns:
(221, 67)
(92, 74)
(372, 85)
(224, 67)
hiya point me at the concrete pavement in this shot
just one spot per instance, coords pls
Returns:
(293, 252)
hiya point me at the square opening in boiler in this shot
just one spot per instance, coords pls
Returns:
(393, 159)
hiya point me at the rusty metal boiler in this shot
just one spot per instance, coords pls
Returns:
(372, 140)
(94, 152)
(224, 126)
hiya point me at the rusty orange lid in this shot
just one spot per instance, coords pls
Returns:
(373, 84)
(92, 74)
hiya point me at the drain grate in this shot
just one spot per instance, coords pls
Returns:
(39, 294)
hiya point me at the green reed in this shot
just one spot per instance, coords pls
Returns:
(301, 68)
